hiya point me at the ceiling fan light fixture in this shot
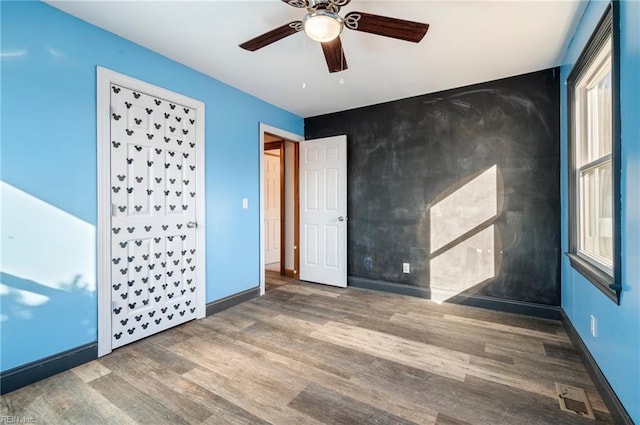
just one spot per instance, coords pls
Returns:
(322, 25)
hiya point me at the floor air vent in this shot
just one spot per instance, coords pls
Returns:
(574, 400)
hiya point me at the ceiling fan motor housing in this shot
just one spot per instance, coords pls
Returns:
(323, 5)
(322, 25)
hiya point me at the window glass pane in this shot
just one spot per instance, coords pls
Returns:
(599, 113)
(587, 204)
(596, 213)
(604, 242)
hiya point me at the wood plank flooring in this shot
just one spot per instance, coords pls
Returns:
(312, 354)
(273, 280)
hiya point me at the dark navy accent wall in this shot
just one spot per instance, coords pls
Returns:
(435, 153)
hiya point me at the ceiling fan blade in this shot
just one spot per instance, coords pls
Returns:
(341, 3)
(272, 36)
(334, 55)
(297, 3)
(388, 27)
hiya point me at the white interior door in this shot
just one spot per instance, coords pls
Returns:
(272, 208)
(155, 276)
(323, 210)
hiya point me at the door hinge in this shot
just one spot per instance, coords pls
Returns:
(113, 209)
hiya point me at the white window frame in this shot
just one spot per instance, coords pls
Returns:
(585, 144)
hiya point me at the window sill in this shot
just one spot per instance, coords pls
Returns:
(601, 280)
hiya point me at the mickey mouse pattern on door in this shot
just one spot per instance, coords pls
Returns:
(153, 199)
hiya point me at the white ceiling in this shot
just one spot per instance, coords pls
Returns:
(467, 42)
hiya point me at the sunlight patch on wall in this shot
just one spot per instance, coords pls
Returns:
(13, 53)
(54, 52)
(465, 209)
(463, 244)
(44, 244)
(468, 263)
(27, 298)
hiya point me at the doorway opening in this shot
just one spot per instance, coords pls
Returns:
(279, 203)
(274, 204)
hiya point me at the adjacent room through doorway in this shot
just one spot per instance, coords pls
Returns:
(280, 210)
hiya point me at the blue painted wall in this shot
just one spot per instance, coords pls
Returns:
(48, 162)
(616, 348)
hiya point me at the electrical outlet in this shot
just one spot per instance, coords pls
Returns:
(594, 326)
(368, 263)
(406, 268)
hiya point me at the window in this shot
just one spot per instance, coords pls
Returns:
(593, 133)
(594, 176)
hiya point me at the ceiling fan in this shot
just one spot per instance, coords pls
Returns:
(323, 24)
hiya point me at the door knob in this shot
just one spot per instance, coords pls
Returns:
(192, 224)
(341, 218)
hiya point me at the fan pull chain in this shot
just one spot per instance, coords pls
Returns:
(304, 60)
(341, 64)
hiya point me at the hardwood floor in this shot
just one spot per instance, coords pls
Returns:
(273, 279)
(311, 354)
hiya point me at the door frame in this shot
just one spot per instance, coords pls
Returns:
(272, 146)
(265, 128)
(106, 77)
